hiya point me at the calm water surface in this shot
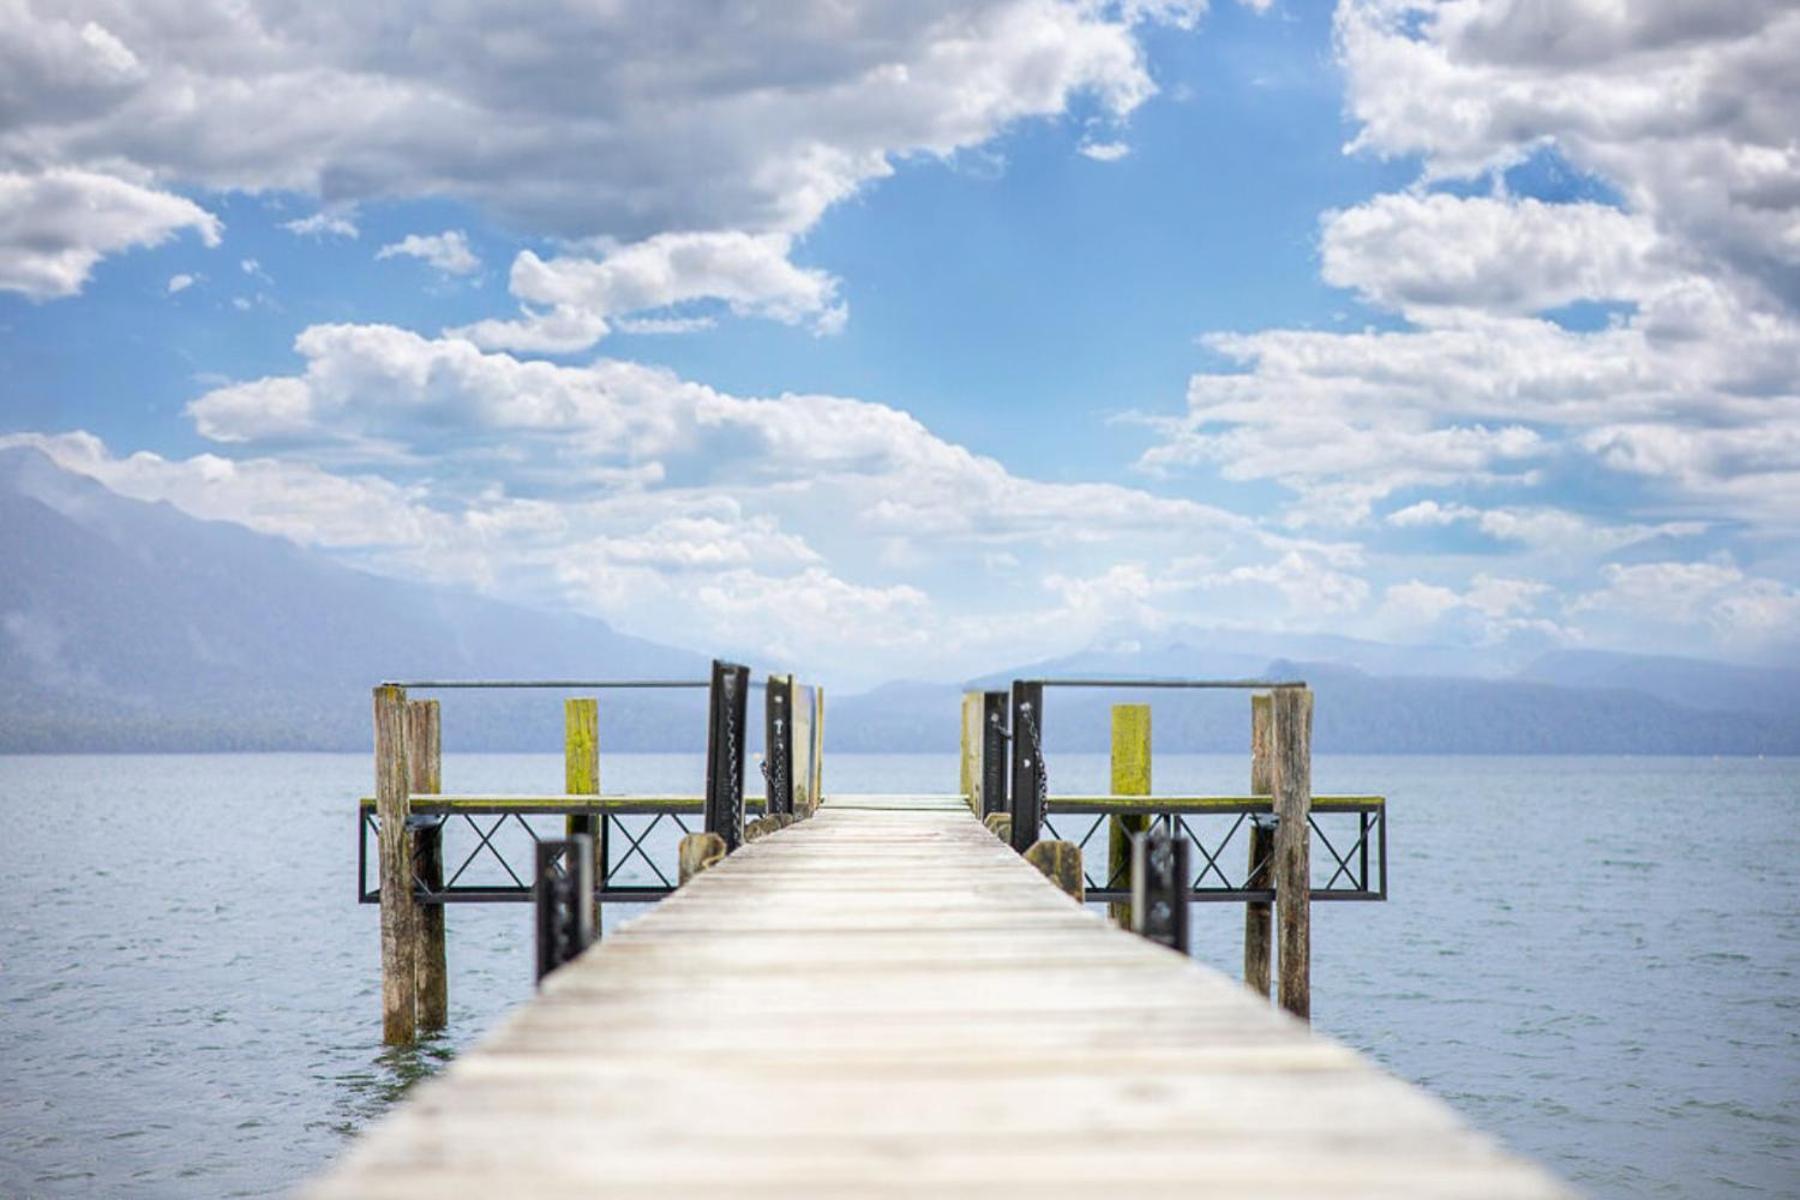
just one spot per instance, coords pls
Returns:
(1595, 959)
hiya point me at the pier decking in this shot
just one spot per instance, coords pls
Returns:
(886, 1000)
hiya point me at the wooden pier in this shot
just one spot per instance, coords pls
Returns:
(894, 995)
(886, 1000)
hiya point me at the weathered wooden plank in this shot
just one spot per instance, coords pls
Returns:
(976, 1034)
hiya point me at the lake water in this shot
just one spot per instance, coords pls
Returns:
(1595, 959)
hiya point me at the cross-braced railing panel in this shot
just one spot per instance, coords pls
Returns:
(1349, 850)
(489, 854)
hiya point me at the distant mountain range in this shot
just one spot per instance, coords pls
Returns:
(132, 626)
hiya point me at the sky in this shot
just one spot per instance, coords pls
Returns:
(917, 340)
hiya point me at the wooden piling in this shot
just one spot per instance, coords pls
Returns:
(1061, 864)
(1258, 913)
(1291, 737)
(803, 750)
(1000, 825)
(424, 765)
(581, 777)
(970, 775)
(697, 852)
(399, 983)
(1130, 777)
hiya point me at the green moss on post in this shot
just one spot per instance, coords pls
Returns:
(1130, 777)
(1061, 864)
(697, 853)
(581, 777)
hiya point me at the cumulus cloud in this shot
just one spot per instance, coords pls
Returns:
(447, 252)
(324, 223)
(570, 301)
(585, 126)
(179, 283)
(1431, 255)
(1688, 109)
(56, 224)
(1686, 396)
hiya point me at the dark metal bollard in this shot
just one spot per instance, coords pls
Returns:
(1030, 783)
(994, 738)
(1159, 886)
(563, 888)
(726, 733)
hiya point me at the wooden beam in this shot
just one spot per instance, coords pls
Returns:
(1130, 777)
(1291, 735)
(557, 805)
(424, 767)
(399, 983)
(1109, 803)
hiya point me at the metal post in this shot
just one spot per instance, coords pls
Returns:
(725, 753)
(1159, 886)
(1029, 782)
(562, 888)
(778, 745)
(993, 753)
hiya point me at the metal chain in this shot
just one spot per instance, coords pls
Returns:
(1037, 749)
(735, 783)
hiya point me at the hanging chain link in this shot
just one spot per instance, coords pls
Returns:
(1027, 719)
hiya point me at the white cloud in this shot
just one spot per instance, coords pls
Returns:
(1104, 151)
(1553, 530)
(570, 301)
(324, 223)
(1745, 612)
(56, 224)
(179, 283)
(586, 124)
(1687, 108)
(447, 252)
(1428, 255)
(1687, 399)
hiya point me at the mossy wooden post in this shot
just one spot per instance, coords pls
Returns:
(1130, 777)
(971, 750)
(696, 853)
(1061, 864)
(399, 984)
(803, 750)
(581, 777)
(1257, 913)
(425, 768)
(1291, 738)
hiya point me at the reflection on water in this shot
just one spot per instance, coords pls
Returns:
(365, 1094)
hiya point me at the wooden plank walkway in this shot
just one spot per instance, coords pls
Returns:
(886, 1001)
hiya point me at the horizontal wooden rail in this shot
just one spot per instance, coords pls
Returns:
(565, 805)
(1205, 804)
